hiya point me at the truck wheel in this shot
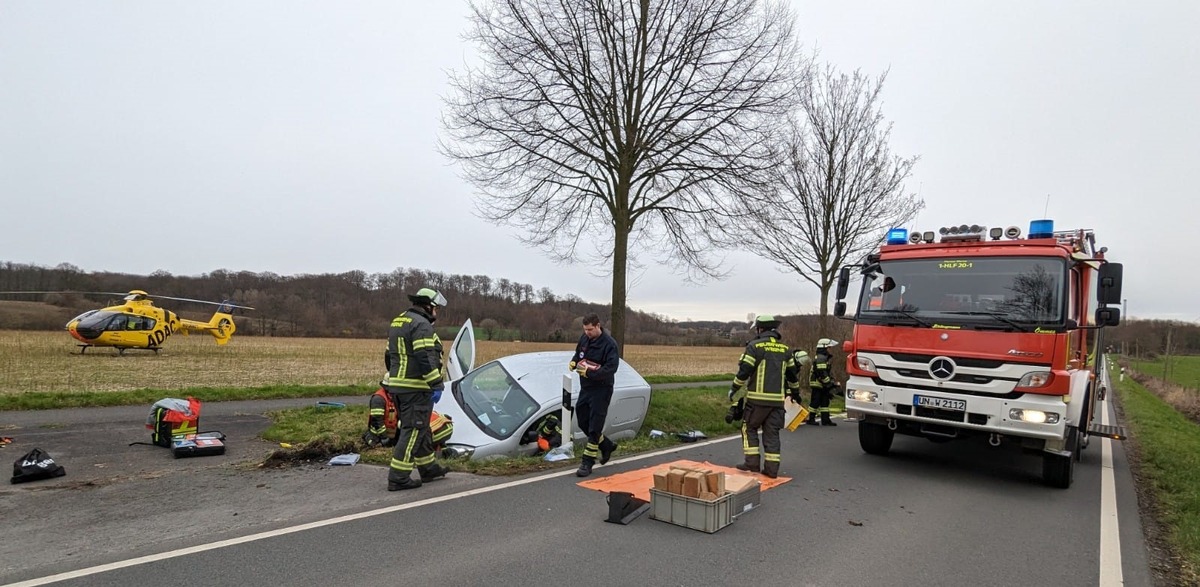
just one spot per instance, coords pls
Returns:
(875, 439)
(1059, 471)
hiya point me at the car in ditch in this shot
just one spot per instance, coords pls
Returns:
(498, 406)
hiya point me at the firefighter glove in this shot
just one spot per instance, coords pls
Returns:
(795, 395)
(736, 411)
(437, 391)
(733, 389)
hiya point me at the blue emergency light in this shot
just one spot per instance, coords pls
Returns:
(1041, 228)
(897, 236)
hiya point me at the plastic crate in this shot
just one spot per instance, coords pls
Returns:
(689, 512)
(746, 499)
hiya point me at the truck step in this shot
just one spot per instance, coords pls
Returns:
(1113, 432)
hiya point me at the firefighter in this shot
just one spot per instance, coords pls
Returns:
(549, 434)
(596, 360)
(382, 420)
(414, 371)
(821, 383)
(767, 371)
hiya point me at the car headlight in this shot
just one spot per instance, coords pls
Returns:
(457, 451)
(1035, 379)
(1033, 416)
(861, 395)
(865, 364)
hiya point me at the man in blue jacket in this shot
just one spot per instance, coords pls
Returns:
(596, 360)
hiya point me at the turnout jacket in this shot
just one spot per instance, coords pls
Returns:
(821, 376)
(603, 352)
(413, 360)
(767, 371)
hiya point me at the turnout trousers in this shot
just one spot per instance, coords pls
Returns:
(414, 441)
(591, 411)
(770, 420)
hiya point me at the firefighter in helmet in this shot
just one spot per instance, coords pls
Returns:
(414, 372)
(766, 375)
(821, 383)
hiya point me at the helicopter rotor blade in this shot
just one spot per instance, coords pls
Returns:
(226, 304)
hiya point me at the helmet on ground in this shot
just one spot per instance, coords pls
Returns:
(766, 322)
(825, 343)
(801, 358)
(428, 296)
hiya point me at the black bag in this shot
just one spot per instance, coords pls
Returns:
(35, 465)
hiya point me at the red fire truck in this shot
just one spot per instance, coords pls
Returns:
(976, 332)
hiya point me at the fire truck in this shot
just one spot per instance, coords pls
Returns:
(982, 333)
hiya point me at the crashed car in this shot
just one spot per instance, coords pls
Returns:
(498, 407)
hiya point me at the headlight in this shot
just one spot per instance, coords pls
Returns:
(864, 364)
(1035, 379)
(1033, 416)
(457, 451)
(862, 395)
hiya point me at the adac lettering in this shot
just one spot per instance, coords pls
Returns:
(157, 336)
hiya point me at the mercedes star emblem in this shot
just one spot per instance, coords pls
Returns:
(941, 368)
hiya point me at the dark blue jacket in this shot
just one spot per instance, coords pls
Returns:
(603, 352)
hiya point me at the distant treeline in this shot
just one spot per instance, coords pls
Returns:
(354, 304)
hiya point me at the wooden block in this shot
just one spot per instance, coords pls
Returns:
(708, 496)
(660, 480)
(675, 481)
(691, 484)
(716, 482)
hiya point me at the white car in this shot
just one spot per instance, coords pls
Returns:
(498, 407)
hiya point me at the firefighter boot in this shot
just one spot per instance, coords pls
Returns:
(606, 449)
(585, 466)
(750, 465)
(432, 472)
(403, 484)
(825, 421)
(812, 417)
(771, 469)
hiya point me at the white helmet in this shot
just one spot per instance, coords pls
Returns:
(801, 358)
(825, 343)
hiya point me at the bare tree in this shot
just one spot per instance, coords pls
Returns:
(601, 126)
(839, 188)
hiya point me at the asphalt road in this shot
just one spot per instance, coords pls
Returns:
(928, 514)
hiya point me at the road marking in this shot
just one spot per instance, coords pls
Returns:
(141, 560)
(1110, 538)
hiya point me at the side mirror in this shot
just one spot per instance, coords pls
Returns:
(843, 283)
(839, 309)
(1108, 316)
(1109, 285)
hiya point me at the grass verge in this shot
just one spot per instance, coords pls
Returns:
(48, 400)
(310, 430)
(1169, 464)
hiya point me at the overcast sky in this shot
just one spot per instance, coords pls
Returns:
(299, 137)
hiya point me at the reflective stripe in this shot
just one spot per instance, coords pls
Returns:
(425, 460)
(401, 465)
(771, 457)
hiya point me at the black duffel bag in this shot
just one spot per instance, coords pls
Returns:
(36, 464)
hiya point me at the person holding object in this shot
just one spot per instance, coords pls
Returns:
(766, 374)
(596, 360)
(821, 382)
(414, 371)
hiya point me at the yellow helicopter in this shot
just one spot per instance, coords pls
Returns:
(139, 324)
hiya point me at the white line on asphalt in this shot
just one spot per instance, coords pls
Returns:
(1110, 538)
(338, 520)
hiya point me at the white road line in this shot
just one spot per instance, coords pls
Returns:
(338, 520)
(1110, 538)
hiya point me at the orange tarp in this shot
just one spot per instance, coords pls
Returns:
(640, 481)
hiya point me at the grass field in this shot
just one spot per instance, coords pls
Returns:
(1182, 370)
(49, 362)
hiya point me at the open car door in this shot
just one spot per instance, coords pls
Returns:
(462, 352)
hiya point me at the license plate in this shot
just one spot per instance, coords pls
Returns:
(940, 403)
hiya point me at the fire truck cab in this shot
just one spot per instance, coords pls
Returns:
(976, 332)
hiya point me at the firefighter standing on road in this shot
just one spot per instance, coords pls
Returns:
(596, 360)
(414, 371)
(768, 373)
(821, 382)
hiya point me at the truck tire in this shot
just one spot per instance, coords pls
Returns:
(1059, 471)
(875, 439)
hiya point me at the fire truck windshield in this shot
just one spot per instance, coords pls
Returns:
(972, 292)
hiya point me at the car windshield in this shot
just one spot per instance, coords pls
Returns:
(1010, 293)
(494, 400)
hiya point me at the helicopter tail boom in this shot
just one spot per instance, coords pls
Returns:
(221, 327)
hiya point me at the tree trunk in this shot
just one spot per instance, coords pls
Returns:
(620, 261)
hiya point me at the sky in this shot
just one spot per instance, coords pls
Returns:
(297, 136)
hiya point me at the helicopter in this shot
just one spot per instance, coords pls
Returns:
(139, 324)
